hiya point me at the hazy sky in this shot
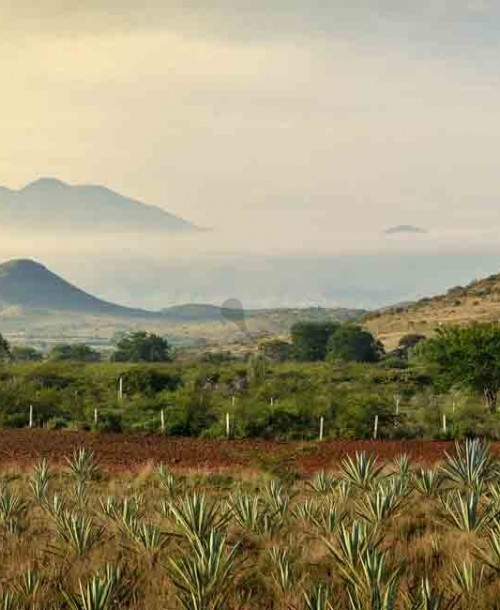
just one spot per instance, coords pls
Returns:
(285, 116)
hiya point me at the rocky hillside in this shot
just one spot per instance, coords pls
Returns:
(478, 301)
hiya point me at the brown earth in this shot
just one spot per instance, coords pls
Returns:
(133, 452)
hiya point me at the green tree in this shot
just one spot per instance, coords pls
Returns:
(256, 370)
(79, 352)
(26, 353)
(310, 339)
(5, 353)
(467, 356)
(275, 350)
(352, 343)
(140, 346)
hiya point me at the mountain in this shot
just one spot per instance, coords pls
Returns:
(479, 301)
(29, 285)
(49, 204)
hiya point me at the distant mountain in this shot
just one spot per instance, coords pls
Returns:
(29, 285)
(50, 204)
(401, 229)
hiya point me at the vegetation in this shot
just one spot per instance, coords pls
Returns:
(141, 346)
(367, 535)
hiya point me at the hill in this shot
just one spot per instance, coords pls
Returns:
(28, 285)
(479, 301)
(49, 204)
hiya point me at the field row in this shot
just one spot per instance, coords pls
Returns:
(134, 452)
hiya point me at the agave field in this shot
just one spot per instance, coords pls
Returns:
(370, 534)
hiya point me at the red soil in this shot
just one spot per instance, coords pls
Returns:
(133, 452)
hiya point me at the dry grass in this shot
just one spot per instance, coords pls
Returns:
(417, 540)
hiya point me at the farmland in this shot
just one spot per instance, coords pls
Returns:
(133, 453)
(366, 533)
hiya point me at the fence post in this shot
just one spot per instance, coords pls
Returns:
(272, 401)
(397, 401)
(321, 427)
(228, 426)
(120, 389)
(31, 416)
(233, 401)
(444, 423)
(95, 417)
(375, 427)
(162, 418)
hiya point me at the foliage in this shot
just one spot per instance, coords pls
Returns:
(352, 343)
(79, 352)
(468, 356)
(140, 346)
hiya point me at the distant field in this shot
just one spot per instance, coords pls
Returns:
(134, 452)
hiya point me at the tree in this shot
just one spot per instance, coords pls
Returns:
(26, 353)
(467, 356)
(256, 371)
(140, 346)
(352, 343)
(310, 339)
(5, 354)
(79, 352)
(275, 350)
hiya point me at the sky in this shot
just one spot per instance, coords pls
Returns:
(319, 117)
(286, 126)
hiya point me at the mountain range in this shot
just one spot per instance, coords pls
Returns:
(49, 204)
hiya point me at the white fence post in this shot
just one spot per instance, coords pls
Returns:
(120, 389)
(375, 427)
(95, 417)
(228, 426)
(31, 416)
(162, 418)
(233, 401)
(444, 423)
(321, 427)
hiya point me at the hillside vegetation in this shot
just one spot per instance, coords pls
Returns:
(476, 302)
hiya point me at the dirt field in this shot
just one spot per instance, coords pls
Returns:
(127, 452)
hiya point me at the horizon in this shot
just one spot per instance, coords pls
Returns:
(291, 133)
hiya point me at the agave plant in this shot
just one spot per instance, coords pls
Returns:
(78, 531)
(83, 465)
(147, 537)
(471, 466)
(29, 586)
(253, 515)
(465, 580)
(491, 555)
(428, 481)
(12, 510)
(350, 545)
(402, 466)
(96, 595)
(465, 512)
(362, 471)
(170, 483)
(125, 512)
(8, 601)
(322, 483)
(277, 499)
(195, 516)
(40, 480)
(373, 584)
(326, 517)
(204, 577)
(317, 599)
(426, 597)
(381, 504)
(282, 571)
(54, 506)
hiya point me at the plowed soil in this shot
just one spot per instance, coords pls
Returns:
(134, 452)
